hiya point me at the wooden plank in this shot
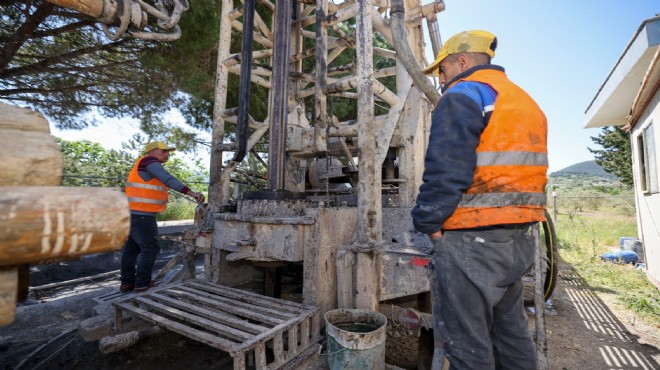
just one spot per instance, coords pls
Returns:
(250, 297)
(291, 325)
(304, 333)
(239, 361)
(118, 320)
(260, 356)
(293, 342)
(316, 327)
(214, 315)
(256, 307)
(184, 330)
(168, 311)
(278, 349)
(228, 307)
(8, 290)
(244, 294)
(168, 266)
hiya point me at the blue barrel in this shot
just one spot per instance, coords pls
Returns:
(356, 339)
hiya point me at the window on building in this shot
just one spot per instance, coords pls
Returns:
(648, 170)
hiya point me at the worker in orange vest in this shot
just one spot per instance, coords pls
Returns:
(483, 188)
(146, 189)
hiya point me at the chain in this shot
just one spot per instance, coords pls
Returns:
(168, 13)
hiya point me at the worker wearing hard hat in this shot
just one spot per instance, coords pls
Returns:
(483, 188)
(146, 189)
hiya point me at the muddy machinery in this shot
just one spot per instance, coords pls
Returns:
(339, 189)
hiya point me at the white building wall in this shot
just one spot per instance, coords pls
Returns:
(648, 204)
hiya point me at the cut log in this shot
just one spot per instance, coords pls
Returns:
(39, 223)
(22, 119)
(29, 158)
(30, 155)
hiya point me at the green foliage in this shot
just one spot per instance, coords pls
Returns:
(616, 155)
(178, 208)
(59, 62)
(89, 164)
(583, 238)
(250, 175)
(606, 189)
(194, 176)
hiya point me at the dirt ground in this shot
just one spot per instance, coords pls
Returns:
(585, 330)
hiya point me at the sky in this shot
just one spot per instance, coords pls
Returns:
(559, 51)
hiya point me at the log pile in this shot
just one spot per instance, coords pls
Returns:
(40, 220)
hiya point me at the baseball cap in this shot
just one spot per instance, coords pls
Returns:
(475, 41)
(157, 145)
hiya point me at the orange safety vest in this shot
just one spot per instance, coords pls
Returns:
(512, 161)
(145, 196)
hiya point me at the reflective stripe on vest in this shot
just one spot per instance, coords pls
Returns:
(146, 186)
(146, 200)
(145, 196)
(512, 158)
(512, 161)
(502, 200)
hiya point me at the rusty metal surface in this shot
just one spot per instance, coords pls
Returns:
(272, 208)
(229, 319)
(406, 271)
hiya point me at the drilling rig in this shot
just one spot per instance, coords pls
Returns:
(339, 193)
(339, 188)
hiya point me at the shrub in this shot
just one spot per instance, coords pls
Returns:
(178, 209)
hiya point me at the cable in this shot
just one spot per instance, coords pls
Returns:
(25, 360)
(54, 353)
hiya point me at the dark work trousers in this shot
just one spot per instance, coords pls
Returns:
(477, 298)
(140, 249)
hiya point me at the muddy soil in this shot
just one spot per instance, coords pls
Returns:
(586, 330)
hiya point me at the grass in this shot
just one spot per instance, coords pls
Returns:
(178, 209)
(584, 236)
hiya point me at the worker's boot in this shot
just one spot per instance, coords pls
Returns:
(125, 288)
(144, 289)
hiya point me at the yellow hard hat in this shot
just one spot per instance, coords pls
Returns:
(475, 41)
(157, 145)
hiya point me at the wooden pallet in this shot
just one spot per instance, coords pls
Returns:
(233, 320)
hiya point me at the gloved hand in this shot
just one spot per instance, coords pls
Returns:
(199, 197)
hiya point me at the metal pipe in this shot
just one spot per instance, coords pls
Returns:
(279, 95)
(434, 34)
(400, 40)
(244, 85)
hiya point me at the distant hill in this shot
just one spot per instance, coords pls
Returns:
(587, 168)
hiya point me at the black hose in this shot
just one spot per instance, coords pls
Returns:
(405, 55)
(242, 123)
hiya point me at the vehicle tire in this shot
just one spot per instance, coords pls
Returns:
(549, 261)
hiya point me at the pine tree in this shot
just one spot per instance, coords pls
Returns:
(616, 155)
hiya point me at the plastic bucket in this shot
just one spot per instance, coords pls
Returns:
(634, 245)
(623, 240)
(356, 339)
